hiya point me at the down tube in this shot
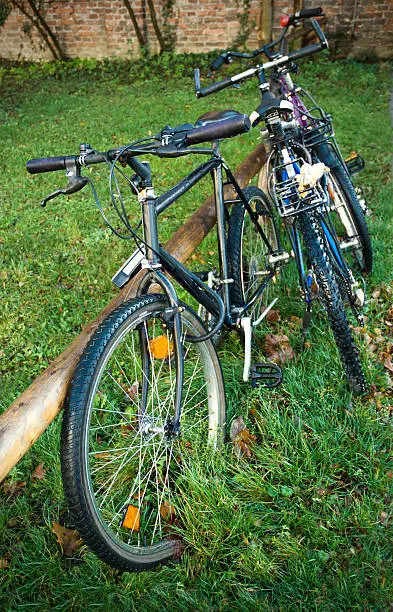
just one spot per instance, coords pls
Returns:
(195, 287)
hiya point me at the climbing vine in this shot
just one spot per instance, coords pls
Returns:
(168, 29)
(246, 24)
(34, 11)
(166, 34)
(5, 9)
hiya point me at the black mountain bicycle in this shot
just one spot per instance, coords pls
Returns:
(305, 197)
(148, 392)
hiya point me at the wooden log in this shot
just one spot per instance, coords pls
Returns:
(266, 22)
(31, 413)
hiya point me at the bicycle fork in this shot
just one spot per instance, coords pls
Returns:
(171, 316)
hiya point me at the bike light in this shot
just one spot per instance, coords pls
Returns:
(284, 20)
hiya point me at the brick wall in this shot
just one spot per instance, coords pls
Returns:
(102, 28)
(361, 29)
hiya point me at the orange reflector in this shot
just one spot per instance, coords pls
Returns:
(132, 518)
(160, 347)
(331, 192)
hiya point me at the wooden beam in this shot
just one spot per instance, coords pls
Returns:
(31, 413)
(266, 21)
(298, 5)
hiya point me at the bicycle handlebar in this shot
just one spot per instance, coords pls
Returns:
(285, 21)
(174, 143)
(52, 164)
(320, 34)
(274, 62)
(309, 50)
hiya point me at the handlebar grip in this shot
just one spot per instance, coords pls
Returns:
(217, 63)
(219, 129)
(309, 50)
(310, 12)
(206, 91)
(47, 164)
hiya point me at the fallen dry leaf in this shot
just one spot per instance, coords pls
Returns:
(296, 320)
(244, 442)
(236, 428)
(104, 455)
(388, 363)
(132, 391)
(4, 563)
(68, 539)
(273, 316)
(13, 489)
(167, 512)
(242, 438)
(39, 472)
(278, 348)
(198, 257)
(125, 429)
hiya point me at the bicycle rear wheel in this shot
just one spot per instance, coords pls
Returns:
(248, 253)
(120, 460)
(332, 301)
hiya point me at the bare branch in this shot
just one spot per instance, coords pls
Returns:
(138, 32)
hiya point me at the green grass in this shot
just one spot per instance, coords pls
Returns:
(306, 521)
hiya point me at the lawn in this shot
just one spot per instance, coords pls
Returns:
(304, 521)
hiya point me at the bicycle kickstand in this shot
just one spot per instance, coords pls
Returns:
(264, 374)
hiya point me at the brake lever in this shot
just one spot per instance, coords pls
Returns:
(75, 183)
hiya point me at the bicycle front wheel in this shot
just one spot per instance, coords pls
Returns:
(120, 460)
(350, 221)
(331, 298)
(351, 225)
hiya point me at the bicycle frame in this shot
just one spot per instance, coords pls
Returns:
(156, 257)
(158, 263)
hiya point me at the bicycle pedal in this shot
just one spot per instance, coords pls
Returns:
(354, 163)
(266, 375)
